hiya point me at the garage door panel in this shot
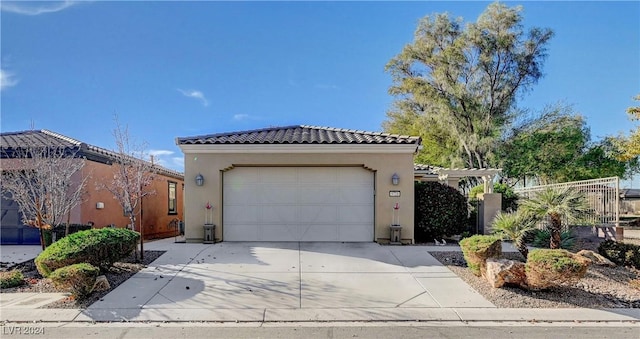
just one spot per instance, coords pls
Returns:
(318, 175)
(278, 175)
(320, 233)
(354, 195)
(298, 204)
(356, 214)
(246, 232)
(279, 232)
(242, 214)
(278, 214)
(355, 233)
(317, 214)
(353, 175)
(276, 193)
(240, 195)
(314, 194)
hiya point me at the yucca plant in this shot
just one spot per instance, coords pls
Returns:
(515, 226)
(557, 204)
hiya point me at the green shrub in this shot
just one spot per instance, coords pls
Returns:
(552, 267)
(11, 278)
(621, 253)
(77, 279)
(99, 247)
(542, 239)
(478, 248)
(440, 211)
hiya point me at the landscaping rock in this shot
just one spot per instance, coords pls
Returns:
(596, 258)
(500, 272)
(102, 284)
(477, 249)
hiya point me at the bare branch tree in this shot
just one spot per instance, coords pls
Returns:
(132, 177)
(39, 179)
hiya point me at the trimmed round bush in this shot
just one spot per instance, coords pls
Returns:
(98, 247)
(621, 253)
(440, 211)
(551, 267)
(478, 248)
(11, 278)
(78, 279)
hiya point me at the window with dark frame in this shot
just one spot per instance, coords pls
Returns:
(173, 201)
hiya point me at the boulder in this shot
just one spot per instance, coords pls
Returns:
(596, 258)
(500, 272)
(102, 284)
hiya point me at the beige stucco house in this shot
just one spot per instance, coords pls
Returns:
(299, 183)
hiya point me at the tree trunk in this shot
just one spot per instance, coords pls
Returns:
(555, 230)
(42, 242)
(66, 229)
(522, 248)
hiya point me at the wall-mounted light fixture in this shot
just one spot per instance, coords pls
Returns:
(395, 179)
(199, 179)
(99, 205)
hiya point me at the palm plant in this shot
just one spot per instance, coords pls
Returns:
(515, 226)
(558, 204)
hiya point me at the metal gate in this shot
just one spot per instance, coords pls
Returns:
(603, 195)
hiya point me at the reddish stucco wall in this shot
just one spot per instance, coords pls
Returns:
(155, 207)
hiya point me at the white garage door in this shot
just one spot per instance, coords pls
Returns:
(298, 204)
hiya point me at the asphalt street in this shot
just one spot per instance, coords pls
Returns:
(320, 330)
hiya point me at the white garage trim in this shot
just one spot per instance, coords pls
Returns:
(298, 204)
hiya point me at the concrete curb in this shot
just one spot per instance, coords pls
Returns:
(572, 315)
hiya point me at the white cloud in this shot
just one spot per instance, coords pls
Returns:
(7, 80)
(195, 94)
(166, 158)
(178, 163)
(241, 117)
(35, 7)
(160, 152)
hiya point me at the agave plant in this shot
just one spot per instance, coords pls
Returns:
(557, 204)
(515, 226)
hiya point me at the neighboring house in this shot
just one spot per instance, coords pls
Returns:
(99, 206)
(630, 201)
(299, 183)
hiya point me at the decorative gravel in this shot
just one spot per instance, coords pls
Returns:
(602, 287)
(119, 273)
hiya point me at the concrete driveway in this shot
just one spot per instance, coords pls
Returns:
(287, 281)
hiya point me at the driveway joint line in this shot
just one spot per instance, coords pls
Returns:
(406, 301)
(142, 305)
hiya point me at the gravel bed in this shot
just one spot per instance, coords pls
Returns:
(602, 287)
(119, 273)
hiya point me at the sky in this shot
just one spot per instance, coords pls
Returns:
(177, 69)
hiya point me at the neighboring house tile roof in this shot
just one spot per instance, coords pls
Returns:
(630, 193)
(300, 134)
(10, 142)
(426, 169)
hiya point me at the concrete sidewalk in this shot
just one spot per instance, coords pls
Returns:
(299, 282)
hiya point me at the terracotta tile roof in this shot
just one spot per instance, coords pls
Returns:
(15, 141)
(300, 134)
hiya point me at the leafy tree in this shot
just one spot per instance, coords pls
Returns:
(45, 181)
(515, 226)
(555, 147)
(559, 205)
(132, 178)
(631, 145)
(460, 84)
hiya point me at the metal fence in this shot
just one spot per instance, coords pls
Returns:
(603, 195)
